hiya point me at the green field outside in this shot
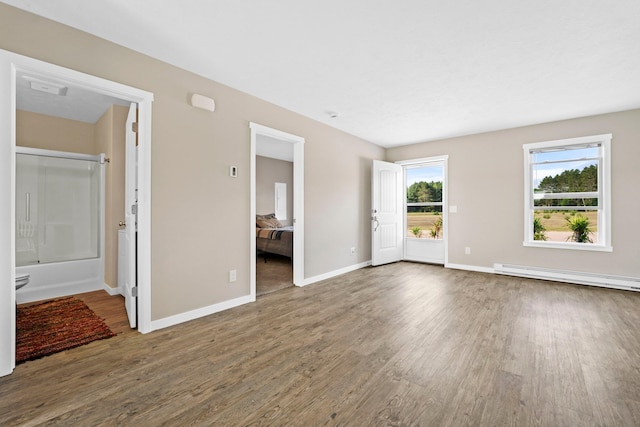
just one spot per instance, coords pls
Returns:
(557, 220)
(424, 220)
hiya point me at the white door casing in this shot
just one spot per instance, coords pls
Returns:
(10, 64)
(130, 218)
(298, 201)
(386, 213)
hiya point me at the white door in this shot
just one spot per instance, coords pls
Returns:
(130, 219)
(386, 213)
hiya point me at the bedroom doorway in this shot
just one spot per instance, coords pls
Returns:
(277, 222)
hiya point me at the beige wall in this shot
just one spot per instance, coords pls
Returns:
(200, 216)
(486, 184)
(53, 133)
(268, 172)
(110, 135)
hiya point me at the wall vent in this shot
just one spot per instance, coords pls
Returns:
(582, 278)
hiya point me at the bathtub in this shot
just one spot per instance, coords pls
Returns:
(58, 279)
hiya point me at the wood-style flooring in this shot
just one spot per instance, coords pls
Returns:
(400, 345)
(273, 275)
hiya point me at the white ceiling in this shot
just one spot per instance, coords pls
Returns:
(395, 72)
(274, 148)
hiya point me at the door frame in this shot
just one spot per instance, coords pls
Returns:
(445, 198)
(298, 201)
(10, 64)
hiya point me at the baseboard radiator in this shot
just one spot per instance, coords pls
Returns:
(582, 278)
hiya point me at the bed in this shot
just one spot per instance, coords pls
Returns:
(272, 237)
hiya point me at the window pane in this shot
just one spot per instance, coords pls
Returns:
(566, 152)
(424, 184)
(424, 222)
(566, 226)
(565, 177)
(566, 202)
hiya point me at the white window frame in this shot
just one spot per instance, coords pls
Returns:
(603, 194)
(280, 193)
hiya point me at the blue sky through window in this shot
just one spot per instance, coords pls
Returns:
(426, 173)
(571, 159)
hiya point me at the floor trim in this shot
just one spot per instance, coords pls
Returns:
(200, 312)
(334, 273)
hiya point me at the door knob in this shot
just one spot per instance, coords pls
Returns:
(122, 224)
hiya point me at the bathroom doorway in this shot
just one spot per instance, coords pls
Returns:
(14, 71)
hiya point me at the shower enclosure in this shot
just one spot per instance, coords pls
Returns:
(59, 222)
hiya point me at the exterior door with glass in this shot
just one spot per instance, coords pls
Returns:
(425, 216)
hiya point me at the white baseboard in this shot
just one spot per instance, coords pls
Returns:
(111, 291)
(330, 274)
(58, 291)
(197, 313)
(470, 268)
(567, 276)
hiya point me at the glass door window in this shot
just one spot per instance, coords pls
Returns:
(424, 219)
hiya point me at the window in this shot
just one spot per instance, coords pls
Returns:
(424, 201)
(567, 193)
(281, 200)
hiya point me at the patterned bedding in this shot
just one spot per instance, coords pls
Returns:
(275, 240)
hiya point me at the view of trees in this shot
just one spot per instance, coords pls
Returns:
(577, 225)
(421, 192)
(570, 180)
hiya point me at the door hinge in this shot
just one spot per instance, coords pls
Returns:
(134, 127)
(134, 209)
(134, 292)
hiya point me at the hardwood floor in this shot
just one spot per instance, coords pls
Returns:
(402, 344)
(110, 308)
(273, 275)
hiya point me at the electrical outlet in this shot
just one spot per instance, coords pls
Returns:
(353, 251)
(467, 250)
(232, 276)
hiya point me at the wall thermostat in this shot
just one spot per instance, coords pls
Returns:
(233, 171)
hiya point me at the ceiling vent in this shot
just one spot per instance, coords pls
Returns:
(47, 87)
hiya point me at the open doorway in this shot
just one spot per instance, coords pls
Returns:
(274, 215)
(277, 218)
(409, 211)
(425, 218)
(55, 81)
(70, 181)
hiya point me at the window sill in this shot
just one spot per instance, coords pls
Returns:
(568, 245)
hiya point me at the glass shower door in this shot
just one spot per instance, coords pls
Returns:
(57, 209)
(27, 177)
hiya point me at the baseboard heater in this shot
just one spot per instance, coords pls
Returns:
(581, 278)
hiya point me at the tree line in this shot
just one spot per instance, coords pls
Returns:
(569, 181)
(422, 192)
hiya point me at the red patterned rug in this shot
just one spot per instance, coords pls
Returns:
(53, 326)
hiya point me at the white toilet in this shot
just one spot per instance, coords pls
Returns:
(22, 279)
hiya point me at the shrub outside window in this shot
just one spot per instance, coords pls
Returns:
(567, 193)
